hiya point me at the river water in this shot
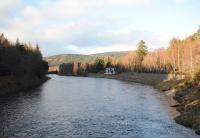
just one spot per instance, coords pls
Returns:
(89, 107)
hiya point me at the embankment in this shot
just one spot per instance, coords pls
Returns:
(188, 97)
(11, 84)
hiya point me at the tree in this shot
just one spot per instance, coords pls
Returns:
(17, 43)
(191, 41)
(19, 59)
(99, 64)
(109, 62)
(173, 52)
(197, 34)
(141, 53)
(37, 48)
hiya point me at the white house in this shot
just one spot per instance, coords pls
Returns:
(110, 71)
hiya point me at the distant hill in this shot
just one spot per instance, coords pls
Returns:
(66, 58)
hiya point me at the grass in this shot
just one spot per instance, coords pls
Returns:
(168, 85)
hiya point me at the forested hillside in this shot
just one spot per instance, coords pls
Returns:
(68, 58)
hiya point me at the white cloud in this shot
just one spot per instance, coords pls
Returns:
(128, 1)
(99, 49)
(48, 20)
(53, 11)
(6, 4)
(82, 26)
(7, 7)
(62, 8)
(180, 1)
(72, 47)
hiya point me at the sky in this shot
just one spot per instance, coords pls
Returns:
(95, 26)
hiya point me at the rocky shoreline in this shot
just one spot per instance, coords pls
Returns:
(189, 108)
(187, 98)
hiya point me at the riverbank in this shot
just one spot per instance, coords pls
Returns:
(10, 84)
(143, 78)
(186, 95)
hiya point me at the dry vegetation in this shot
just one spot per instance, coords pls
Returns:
(181, 57)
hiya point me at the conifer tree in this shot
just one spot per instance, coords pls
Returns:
(142, 51)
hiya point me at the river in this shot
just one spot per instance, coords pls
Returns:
(89, 107)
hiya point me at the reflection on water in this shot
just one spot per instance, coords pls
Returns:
(89, 107)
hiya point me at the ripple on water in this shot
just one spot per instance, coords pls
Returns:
(89, 107)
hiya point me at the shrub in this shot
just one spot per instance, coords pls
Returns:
(197, 76)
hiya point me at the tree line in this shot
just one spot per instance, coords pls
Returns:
(181, 57)
(21, 59)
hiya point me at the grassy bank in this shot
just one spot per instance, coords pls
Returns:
(186, 94)
(10, 84)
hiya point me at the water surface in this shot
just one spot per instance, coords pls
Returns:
(89, 107)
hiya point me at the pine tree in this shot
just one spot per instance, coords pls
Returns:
(197, 34)
(142, 51)
(99, 63)
(109, 62)
(37, 47)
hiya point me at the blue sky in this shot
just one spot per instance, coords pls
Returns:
(94, 26)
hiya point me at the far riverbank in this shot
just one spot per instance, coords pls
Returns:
(143, 78)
